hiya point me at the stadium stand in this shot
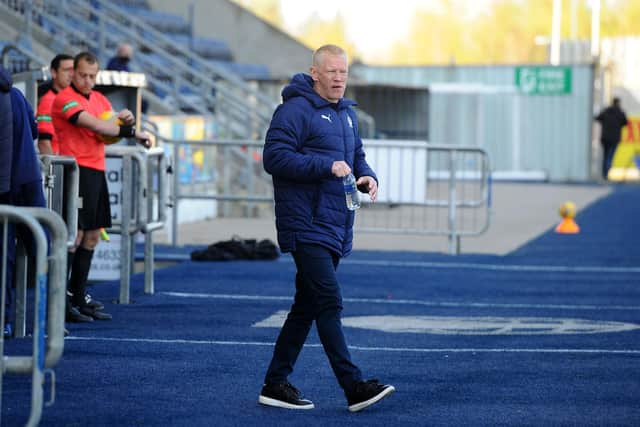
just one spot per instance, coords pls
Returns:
(183, 72)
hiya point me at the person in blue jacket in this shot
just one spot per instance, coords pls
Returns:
(6, 154)
(25, 179)
(6, 134)
(311, 144)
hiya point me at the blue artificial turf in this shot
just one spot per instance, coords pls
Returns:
(189, 355)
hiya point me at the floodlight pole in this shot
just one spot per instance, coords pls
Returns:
(556, 20)
(595, 29)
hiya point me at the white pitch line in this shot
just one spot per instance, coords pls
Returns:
(458, 265)
(410, 302)
(464, 265)
(496, 267)
(363, 348)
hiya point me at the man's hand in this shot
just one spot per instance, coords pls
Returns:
(370, 186)
(127, 117)
(340, 168)
(143, 138)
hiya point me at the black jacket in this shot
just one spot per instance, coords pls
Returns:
(612, 120)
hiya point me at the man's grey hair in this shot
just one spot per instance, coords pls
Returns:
(332, 49)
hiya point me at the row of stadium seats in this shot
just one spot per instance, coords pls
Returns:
(14, 61)
(191, 74)
(216, 51)
(177, 29)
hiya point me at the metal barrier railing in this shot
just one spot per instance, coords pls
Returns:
(428, 189)
(61, 192)
(49, 275)
(61, 183)
(237, 175)
(142, 208)
(425, 188)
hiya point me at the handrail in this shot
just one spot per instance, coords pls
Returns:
(137, 208)
(184, 67)
(137, 217)
(49, 299)
(242, 109)
(9, 47)
(464, 177)
(70, 179)
(218, 70)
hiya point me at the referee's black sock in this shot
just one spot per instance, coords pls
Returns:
(79, 275)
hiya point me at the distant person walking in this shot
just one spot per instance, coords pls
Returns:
(311, 144)
(612, 119)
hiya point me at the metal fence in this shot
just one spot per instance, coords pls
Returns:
(424, 188)
(428, 189)
(49, 275)
(141, 207)
(61, 184)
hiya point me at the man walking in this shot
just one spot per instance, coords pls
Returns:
(311, 144)
(612, 120)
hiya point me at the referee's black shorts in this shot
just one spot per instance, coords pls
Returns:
(96, 210)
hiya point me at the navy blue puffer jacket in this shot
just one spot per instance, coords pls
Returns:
(6, 131)
(307, 134)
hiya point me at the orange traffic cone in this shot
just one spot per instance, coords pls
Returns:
(568, 225)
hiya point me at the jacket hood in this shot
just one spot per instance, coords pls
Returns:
(302, 85)
(5, 80)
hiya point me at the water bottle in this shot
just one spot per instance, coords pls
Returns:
(351, 192)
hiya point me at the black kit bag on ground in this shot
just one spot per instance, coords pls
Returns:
(237, 249)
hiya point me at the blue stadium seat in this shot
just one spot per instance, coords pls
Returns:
(140, 4)
(17, 62)
(206, 47)
(246, 71)
(164, 22)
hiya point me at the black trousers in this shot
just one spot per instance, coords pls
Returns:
(318, 298)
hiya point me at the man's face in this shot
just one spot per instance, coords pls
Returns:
(84, 76)
(330, 76)
(63, 75)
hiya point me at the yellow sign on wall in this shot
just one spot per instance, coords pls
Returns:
(626, 161)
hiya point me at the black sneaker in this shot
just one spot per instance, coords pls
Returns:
(95, 314)
(283, 396)
(366, 393)
(95, 304)
(74, 316)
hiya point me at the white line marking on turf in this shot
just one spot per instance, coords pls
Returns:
(408, 302)
(465, 265)
(455, 325)
(448, 325)
(494, 267)
(365, 348)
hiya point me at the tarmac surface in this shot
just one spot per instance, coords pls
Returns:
(520, 212)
